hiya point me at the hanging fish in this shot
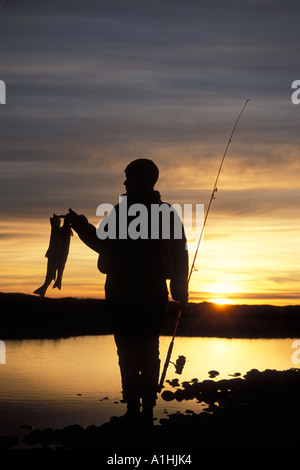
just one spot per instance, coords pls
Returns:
(65, 233)
(57, 254)
(52, 255)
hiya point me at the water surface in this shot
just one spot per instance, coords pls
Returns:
(55, 383)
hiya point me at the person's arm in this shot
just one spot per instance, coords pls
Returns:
(85, 230)
(179, 278)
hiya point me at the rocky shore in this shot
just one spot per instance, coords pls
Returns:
(259, 410)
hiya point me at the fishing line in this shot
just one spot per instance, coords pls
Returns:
(178, 370)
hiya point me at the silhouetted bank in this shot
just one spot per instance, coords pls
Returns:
(260, 410)
(27, 316)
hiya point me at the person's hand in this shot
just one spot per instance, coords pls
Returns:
(71, 217)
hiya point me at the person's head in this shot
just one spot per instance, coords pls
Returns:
(141, 176)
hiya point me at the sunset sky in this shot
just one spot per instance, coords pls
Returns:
(92, 85)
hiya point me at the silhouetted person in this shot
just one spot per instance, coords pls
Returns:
(136, 291)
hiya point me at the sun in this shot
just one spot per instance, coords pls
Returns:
(221, 293)
(221, 301)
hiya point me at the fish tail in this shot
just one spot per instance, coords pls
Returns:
(57, 284)
(41, 291)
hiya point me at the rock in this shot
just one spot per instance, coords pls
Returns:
(179, 395)
(27, 427)
(167, 395)
(213, 373)
(253, 375)
(71, 435)
(173, 382)
(209, 386)
(7, 442)
(43, 437)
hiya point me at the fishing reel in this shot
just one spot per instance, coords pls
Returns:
(179, 364)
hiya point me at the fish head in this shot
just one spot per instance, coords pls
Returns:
(55, 221)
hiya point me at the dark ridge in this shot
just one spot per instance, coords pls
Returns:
(27, 316)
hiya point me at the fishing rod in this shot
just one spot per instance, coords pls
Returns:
(181, 360)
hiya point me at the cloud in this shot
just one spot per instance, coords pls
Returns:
(92, 85)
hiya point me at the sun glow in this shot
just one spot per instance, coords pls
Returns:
(222, 301)
(221, 292)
